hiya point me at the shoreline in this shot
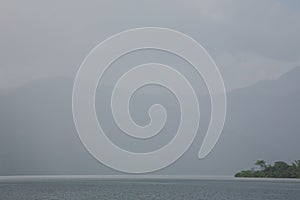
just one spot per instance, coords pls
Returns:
(11, 179)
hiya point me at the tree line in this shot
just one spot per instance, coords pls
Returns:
(279, 169)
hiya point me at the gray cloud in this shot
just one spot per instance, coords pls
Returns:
(50, 39)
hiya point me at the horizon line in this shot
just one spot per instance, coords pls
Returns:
(34, 178)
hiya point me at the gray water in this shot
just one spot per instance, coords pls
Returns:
(158, 189)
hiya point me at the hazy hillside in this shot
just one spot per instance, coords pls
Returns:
(38, 134)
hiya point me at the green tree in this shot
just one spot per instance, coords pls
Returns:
(261, 163)
(295, 169)
(281, 170)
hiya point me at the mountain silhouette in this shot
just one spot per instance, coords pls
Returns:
(38, 135)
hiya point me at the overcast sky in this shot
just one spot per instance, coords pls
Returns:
(43, 43)
(249, 40)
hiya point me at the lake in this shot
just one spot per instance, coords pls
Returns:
(151, 189)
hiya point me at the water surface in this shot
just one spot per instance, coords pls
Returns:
(151, 189)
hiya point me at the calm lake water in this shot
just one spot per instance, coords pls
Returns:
(155, 189)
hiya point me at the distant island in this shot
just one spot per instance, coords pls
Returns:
(279, 169)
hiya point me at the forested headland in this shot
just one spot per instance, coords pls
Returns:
(279, 169)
